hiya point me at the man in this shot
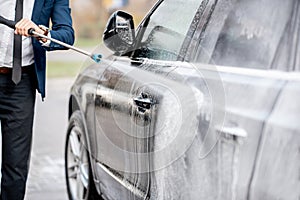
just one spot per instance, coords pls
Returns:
(22, 70)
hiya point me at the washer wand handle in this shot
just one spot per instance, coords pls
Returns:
(32, 32)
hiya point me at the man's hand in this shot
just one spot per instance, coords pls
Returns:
(24, 25)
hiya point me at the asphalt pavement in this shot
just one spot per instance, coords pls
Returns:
(46, 177)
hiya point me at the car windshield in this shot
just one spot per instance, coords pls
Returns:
(248, 33)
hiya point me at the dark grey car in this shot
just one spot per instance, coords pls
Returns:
(201, 101)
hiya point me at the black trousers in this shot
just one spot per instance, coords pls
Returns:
(16, 115)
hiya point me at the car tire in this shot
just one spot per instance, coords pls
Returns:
(79, 178)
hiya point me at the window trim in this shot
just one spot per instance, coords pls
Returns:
(188, 48)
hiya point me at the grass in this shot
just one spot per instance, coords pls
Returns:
(57, 69)
(69, 68)
(87, 42)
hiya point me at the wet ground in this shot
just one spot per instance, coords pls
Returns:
(46, 178)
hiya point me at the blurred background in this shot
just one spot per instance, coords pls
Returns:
(46, 179)
(89, 20)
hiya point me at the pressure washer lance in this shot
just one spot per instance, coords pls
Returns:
(32, 32)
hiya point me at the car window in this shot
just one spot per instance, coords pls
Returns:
(245, 33)
(287, 57)
(167, 29)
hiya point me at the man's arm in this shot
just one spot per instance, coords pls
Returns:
(61, 25)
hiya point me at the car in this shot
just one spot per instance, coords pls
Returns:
(200, 101)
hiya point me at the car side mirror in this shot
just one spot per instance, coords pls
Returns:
(119, 35)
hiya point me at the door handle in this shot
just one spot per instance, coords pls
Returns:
(143, 101)
(233, 131)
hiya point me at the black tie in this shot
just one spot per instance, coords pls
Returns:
(17, 59)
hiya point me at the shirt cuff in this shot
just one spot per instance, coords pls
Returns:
(46, 44)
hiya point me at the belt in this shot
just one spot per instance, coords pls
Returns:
(25, 69)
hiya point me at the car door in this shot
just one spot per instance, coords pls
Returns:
(276, 173)
(114, 119)
(132, 101)
(237, 48)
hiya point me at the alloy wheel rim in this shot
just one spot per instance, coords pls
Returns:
(77, 165)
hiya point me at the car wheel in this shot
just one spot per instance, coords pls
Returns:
(79, 178)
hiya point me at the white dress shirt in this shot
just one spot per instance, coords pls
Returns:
(7, 10)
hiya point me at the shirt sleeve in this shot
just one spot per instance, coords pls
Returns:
(46, 44)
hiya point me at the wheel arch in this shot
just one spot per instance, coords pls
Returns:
(74, 106)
